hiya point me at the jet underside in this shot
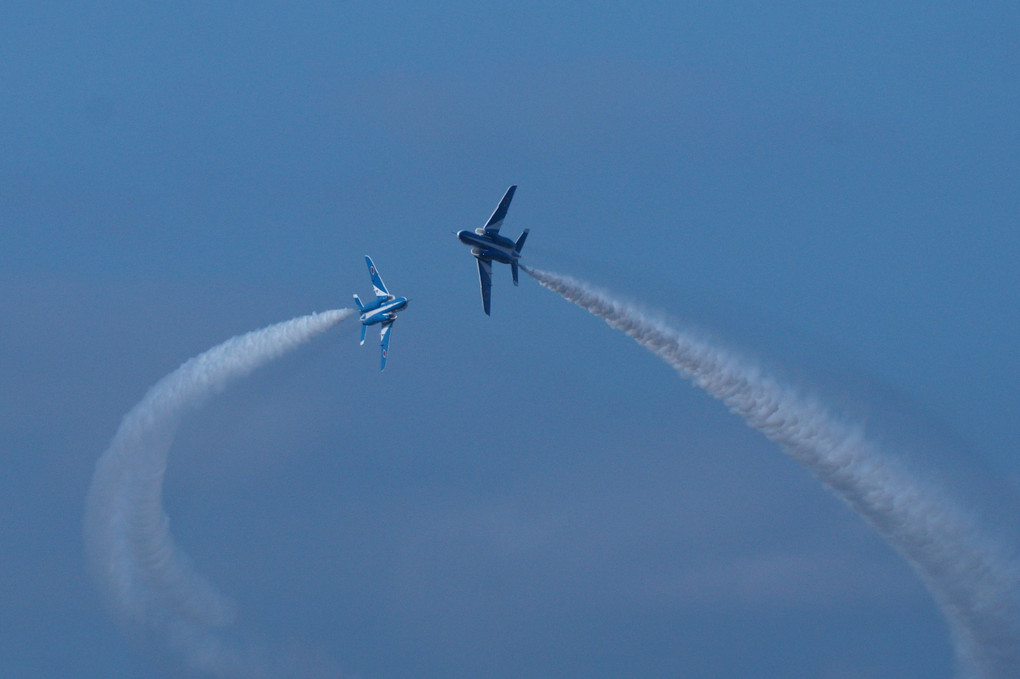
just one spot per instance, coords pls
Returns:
(487, 246)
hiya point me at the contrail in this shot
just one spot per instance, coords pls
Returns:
(972, 571)
(147, 580)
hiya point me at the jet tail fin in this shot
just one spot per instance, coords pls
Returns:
(520, 241)
(517, 251)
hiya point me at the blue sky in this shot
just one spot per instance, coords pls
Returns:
(531, 493)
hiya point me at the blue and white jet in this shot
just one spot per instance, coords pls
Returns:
(383, 310)
(487, 245)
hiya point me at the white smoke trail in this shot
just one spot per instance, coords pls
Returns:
(147, 580)
(972, 572)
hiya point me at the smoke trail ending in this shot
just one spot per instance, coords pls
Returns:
(148, 582)
(972, 572)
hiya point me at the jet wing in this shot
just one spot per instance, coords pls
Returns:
(384, 342)
(377, 284)
(485, 280)
(496, 220)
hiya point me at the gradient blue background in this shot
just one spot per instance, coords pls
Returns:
(529, 494)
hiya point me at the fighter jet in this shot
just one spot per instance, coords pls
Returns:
(487, 245)
(383, 310)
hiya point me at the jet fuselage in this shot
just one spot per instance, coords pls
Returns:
(489, 246)
(382, 310)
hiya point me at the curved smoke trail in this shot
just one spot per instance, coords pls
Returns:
(973, 574)
(148, 581)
